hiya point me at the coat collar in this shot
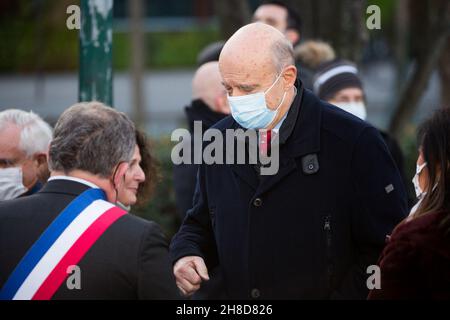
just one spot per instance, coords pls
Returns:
(64, 187)
(305, 137)
(304, 140)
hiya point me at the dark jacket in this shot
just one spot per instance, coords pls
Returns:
(185, 179)
(37, 186)
(416, 262)
(185, 175)
(397, 155)
(129, 261)
(308, 232)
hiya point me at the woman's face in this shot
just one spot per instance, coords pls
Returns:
(133, 177)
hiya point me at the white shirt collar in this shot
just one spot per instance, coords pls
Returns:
(278, 126)
(79, 180)
(276, 129)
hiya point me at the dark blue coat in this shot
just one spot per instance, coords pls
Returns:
(298, 234)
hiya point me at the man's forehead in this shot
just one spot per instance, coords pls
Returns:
(247, 81)
(247, 68)
(239, 81)
(9, 150)
(9, 143)
(9, 136)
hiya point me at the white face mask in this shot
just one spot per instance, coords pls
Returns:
(357, 109)
(419, 192)
(11, 185)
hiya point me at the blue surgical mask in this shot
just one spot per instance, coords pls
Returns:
(251, 110)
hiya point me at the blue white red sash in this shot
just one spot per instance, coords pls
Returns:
(63, 244)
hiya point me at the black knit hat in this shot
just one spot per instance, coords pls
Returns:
(333, 76)
(210, 53)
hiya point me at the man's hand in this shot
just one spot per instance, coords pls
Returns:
(190, 272)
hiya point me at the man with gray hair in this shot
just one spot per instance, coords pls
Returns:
(70, 240)
(24, 142)
(312, 229)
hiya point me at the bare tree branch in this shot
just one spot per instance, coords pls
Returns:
(427, 59)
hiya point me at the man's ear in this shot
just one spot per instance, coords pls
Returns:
(120, 172)
(217, 105)
(293, 36)
(41, 161)
(222, 106)
(290, 77)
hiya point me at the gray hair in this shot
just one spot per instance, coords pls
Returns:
(35, 133)
(92, 137)
(283, 54)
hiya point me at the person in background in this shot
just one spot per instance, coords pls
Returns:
(24, 141)
(338, 82)
(141, 176)
(210, 53)
(416, 261)
(310, 55)
(282, 17)
(285, 19)
(209, 105)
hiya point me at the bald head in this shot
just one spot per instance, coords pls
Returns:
(207, 86)
(259, 58)
(257, 45)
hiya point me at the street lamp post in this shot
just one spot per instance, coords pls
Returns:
(96, 74)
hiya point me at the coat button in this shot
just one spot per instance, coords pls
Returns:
(257, 202)
(255, 293)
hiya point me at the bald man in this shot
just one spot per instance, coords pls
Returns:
(312, 229)
(207, 87)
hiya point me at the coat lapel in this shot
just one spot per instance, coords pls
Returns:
(287, 165)
(304, 140)
(247, 173)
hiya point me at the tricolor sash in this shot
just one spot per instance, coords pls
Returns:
(63, 244)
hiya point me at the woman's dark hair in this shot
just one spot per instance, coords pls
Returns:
(434, 142)
(150, 167)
